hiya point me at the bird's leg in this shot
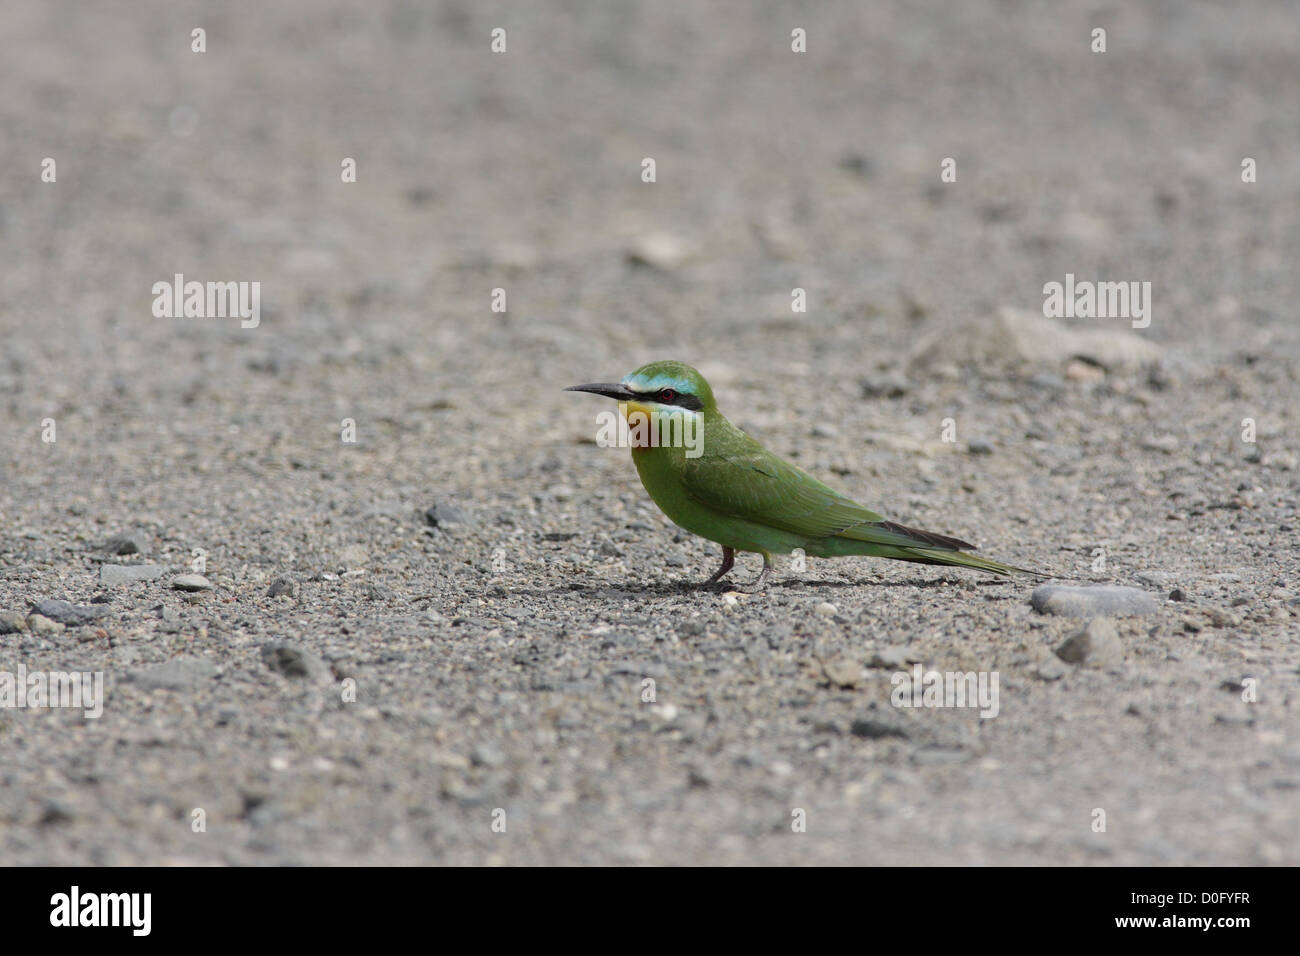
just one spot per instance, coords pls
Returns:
(728, 562)
(762, 577)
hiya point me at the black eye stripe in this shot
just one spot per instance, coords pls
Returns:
(680, 399)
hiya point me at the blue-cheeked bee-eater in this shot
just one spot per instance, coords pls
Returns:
(730, 489)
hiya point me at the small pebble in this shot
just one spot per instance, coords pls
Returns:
(126, 544)
(40, 624)
(282, 585)
(873, 729)
(191, 582)
(843, 671)
(116, 574)
(1052, 668)
(1098, 644)
(1097, 601)
(290, 660)
(444, 514)
(65, 612)
(891, 658)
(1221, 618)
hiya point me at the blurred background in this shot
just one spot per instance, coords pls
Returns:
(775, 170)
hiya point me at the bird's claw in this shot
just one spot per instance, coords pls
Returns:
(754, 587)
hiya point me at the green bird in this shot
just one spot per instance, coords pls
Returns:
(712, 479)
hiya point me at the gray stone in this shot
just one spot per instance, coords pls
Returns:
(1098, 601)
(40, 624)
(65, 612)
(658, 250)
(690, 627)
(698, 775)
(1157, 579)
(487, 755)
(885, 385)
(843, 671)
(55, 812)
(354, 556)
(1221, 618)
(1098, 644)
(191, 582)
(290, 660)
(1239, 718)
(282, 585)
(133, 543)
(181, 673)
(1049, 381)
(114, 574)
(1025, 339)
(939, 755)
(874, 729)
(1051, 668)
(891, 658)
(444, 514)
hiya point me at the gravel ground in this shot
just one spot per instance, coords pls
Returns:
(449, 622)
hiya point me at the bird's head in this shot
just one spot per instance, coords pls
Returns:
(665, 403)
(658, 389)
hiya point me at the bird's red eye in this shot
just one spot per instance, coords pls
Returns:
(667, 395)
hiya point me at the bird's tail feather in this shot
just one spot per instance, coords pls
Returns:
(963, 560)
(842, 547)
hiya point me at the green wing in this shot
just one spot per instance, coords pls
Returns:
(753, 484)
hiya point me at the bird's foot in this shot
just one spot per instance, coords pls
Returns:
(758, 582)
(728, 562)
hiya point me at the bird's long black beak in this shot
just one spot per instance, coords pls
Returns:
(618, 392)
